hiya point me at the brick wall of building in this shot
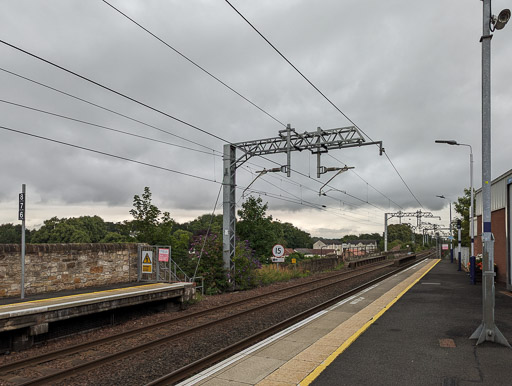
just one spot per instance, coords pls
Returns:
(498, 228)
(55, 267)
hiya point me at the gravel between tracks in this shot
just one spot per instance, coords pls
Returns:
(165, 358)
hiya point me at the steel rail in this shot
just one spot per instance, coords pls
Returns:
(211, 359)
(22, 363)
(95, 363)
(112, 357)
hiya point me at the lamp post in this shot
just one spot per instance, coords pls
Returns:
(471, 209)
(451, 234)
(487, 330)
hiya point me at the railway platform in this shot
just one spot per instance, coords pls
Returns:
(22, 320)
(410, 329)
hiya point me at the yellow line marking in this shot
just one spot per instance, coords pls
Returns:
(76, 295)
(315, 373)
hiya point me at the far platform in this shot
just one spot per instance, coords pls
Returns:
(22, 320)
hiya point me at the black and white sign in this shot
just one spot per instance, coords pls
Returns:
(278, 252)
(21, 208)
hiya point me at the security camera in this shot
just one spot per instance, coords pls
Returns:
(502, 19)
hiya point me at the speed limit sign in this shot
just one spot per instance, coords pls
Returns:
(278, 250)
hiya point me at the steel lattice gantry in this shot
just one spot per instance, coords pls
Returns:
(318, 142)
(418, 214)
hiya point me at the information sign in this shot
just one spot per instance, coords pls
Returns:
(277, 259)
(163, 254)
(147, 261)
(445, 247)
(21, 207)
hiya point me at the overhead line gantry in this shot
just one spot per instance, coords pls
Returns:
(288, 141)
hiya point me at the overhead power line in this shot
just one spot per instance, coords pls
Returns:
(104, 108)
(160, 129)
(321, 93)
(219, 80)
(193, 63)
(373, 187)
(106, 154)
(316, 206)
(105, 127)
(113, 91)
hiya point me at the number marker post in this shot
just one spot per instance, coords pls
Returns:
(21, 216)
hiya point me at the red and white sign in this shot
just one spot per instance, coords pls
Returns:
(445, 247)
(278, 252)
(163, 254)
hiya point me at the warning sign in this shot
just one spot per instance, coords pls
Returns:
(147, 261)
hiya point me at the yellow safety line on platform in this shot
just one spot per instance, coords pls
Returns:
(76, 295)
(316, 372)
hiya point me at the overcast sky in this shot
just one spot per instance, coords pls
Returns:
(406, 72)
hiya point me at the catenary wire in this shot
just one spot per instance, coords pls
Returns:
(151, 165)
(373, 187)
(113, 91)
(152, 126)
(322, 94)
(103, 108)
(193, 62)
(104, 127)
(106, 154)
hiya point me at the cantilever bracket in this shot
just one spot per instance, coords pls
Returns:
(340, 170)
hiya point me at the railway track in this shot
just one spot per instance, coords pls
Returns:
(59, 365)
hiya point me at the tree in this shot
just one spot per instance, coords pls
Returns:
(258, 228)
(201, 224)
(11, 234)
(180, 243)
(462, 208)
(147, 226)
(295, 237)
(402, 232)
(85, 229)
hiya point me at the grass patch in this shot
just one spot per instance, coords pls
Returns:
(269, 274)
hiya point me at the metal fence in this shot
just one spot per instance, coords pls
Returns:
(357, 253)
(155, 264)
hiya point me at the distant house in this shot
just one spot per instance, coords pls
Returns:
(366, 245)
(288, 252)
(329, 244)
(307, 252)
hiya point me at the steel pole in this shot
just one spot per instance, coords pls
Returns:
(471, 207)
(385, 232)
(459, 252)
(487, 331)
(23, 244)
(451, 235)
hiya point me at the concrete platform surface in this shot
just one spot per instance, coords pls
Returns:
(298, 354)
(424, 339)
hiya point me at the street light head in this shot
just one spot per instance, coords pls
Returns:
(441, 196)
(503, 18)
(447, 141)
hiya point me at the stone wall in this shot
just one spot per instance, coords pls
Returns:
(56, 267)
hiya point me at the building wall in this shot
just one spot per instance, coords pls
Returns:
(498, 228)
(55, 267)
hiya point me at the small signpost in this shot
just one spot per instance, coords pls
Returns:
(21, 216)
(278, 252)
(147, 262)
